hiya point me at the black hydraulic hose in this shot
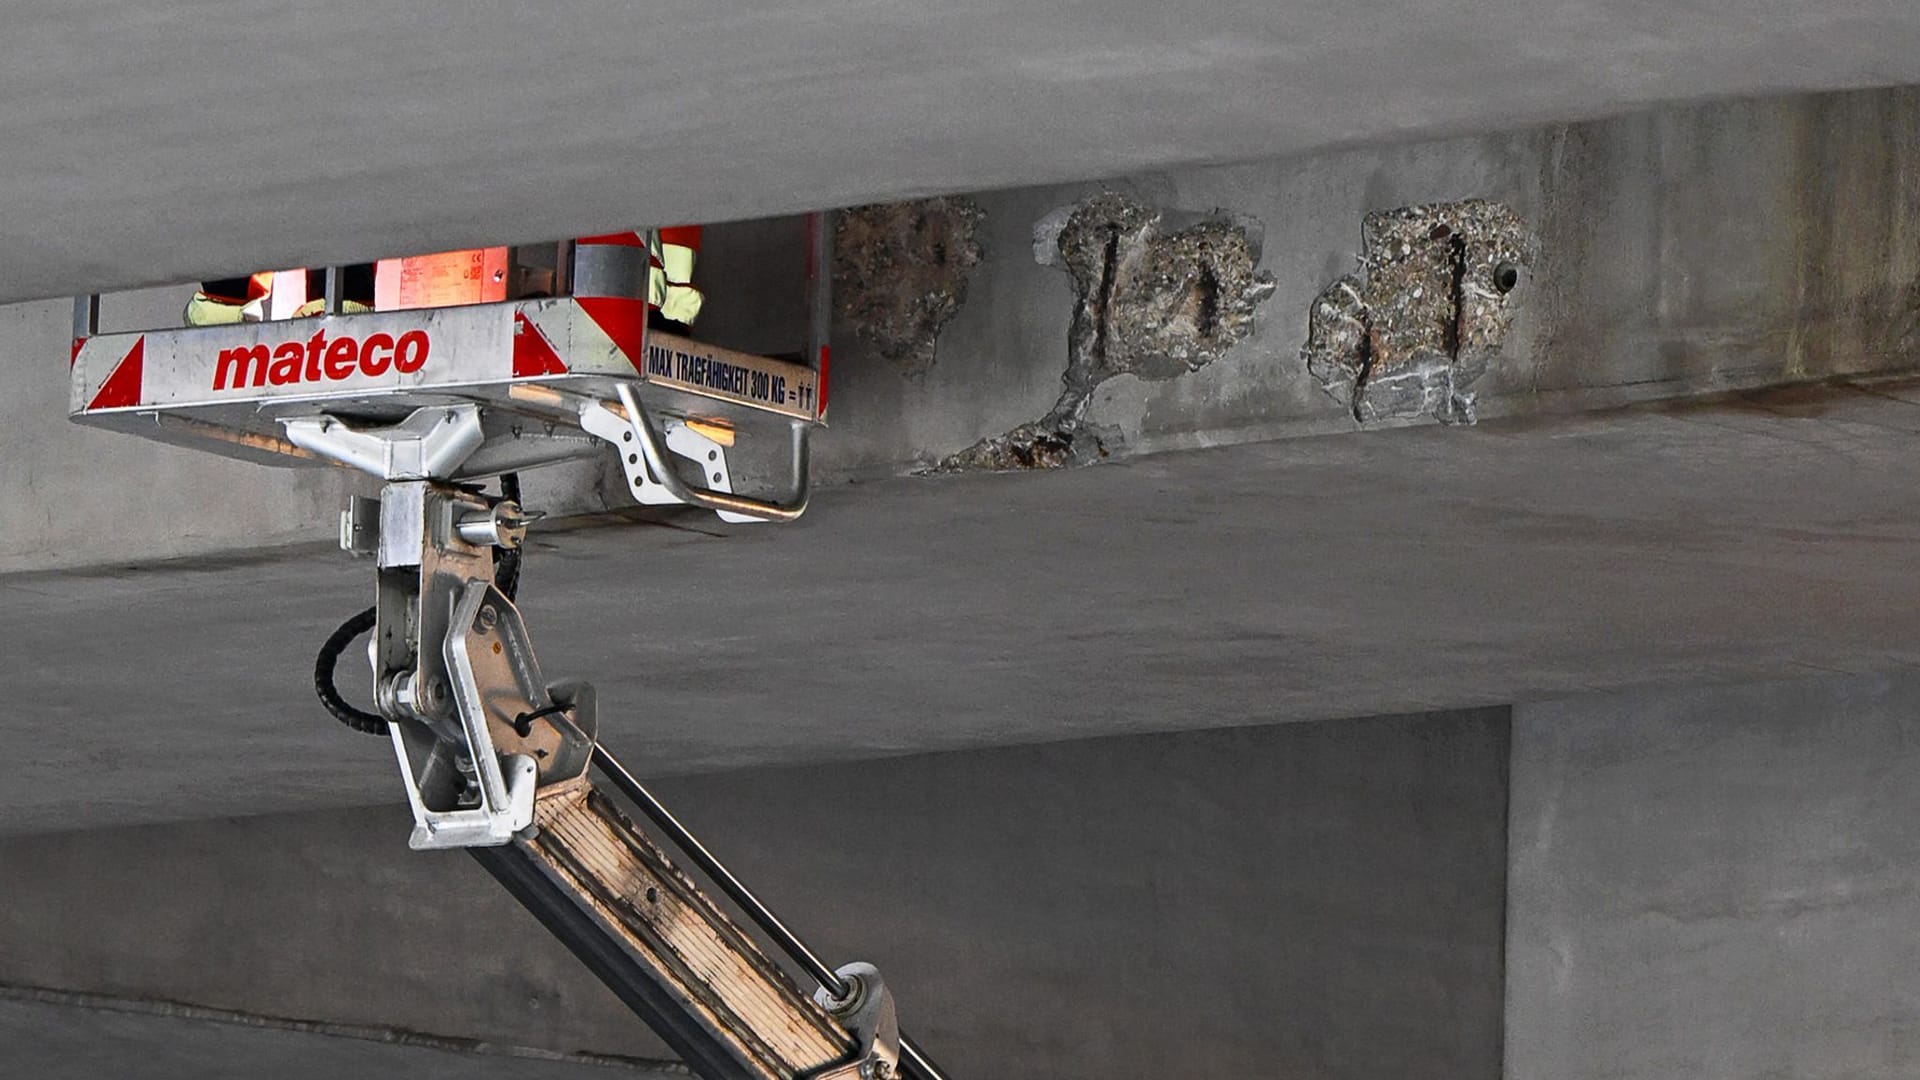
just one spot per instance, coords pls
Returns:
(358, 719)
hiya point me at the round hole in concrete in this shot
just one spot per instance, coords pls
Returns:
(1505, 277)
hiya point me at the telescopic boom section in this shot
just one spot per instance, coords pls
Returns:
(496, 760)
(661, 945)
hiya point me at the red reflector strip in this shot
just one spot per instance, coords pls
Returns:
(821, 412)
(621, 318)
(122, 388)
(533, 354)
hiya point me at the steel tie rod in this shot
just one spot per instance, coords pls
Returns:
(914, 1062)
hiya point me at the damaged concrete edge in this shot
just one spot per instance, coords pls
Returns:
(172, 1010)
(1149, 301)
(1424, 315)
(901, 273)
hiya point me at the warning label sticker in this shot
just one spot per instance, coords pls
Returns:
(755, 381)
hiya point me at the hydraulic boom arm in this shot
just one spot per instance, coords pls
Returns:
(497, 760)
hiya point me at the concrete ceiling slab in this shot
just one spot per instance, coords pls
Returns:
(165, 141)
(1303, 580)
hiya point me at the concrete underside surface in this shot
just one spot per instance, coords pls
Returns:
(1716, 882)
(165, 141)
(59, 1037)
(1307, 579)
(1338, 888)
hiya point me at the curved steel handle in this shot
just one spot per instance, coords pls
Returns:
(654, 449)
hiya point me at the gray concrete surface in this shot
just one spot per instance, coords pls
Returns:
(1681, 250)
(1307, 579)
(46, 1037)
(1686, 248)
(325, 918)
(1716, 883)
(173, 140)
(1299, 900)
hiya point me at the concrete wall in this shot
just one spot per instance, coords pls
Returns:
(49, 1036)
(1303, 900)
(1717, 883)
(1686, 249)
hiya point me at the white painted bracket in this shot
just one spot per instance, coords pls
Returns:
(708, 454)
(505, 784)
(643, 455)
(482, 826)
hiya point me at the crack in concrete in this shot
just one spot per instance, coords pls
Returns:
(175, 1010)
(1152, 303)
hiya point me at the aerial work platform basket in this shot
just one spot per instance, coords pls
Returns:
(462, 393)
(494, 757)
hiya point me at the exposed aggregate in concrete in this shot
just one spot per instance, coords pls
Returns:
(1148, 302)
(1423, 317)
(901, 271)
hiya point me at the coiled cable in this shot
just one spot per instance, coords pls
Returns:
(323, 685)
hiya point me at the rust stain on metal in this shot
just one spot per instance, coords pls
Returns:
(901, 272)
(1149, 302)
(1425, 314)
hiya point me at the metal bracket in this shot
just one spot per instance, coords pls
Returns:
(429, 444)
(644, 455)
(505, 794)
(705, 452)
(475, 727)
(506, 806)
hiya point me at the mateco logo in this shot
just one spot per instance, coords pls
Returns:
(320, 359)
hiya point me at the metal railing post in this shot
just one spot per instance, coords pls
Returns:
(336, 289)
(86, 315)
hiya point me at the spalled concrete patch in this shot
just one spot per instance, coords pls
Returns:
(1425, 314)
(1149, 302)
(901, 272)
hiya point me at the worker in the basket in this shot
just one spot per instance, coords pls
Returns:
(670, 292)
(674, 301)
(236, 300)
(229, 300)
(356, 291)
